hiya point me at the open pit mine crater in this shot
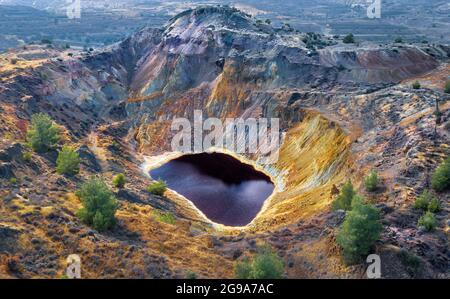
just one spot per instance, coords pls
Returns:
(344, 110)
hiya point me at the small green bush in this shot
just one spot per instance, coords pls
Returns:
(243, 269)
(428, 221)
(411, 262)
(43, 134)
(68, 161)
(359, 232)
(99, 204)
(416, 85)
(371, 181)
(398, 40)
(265, 265)
(166, 217)
(157, 188)
(119, 180)
(434, 205)
(349, 39)
(440, 181)
(345, 197)
(447, 87)
(13, 181)
(422, 201)
(27, 156)
(190, 275)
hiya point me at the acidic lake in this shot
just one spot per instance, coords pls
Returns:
(226, 190)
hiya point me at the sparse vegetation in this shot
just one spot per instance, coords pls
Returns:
(447, 87)
(166, 217)
(157, 188)
(440, 181)
(411, 262)
(119, 180)
(99, 204)
(371, 181)
(398, 40)
(27, 156)
(416, 85)
(349, 39)
(115, 145)
(43, 134)
(68, 161)
(428, 221)
(434, 205)
(361, 229)
(190, 275)
(243, 269)
(265, 265)
(423, 201)
(345, 197)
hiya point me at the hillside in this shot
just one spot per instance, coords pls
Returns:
(345, 109)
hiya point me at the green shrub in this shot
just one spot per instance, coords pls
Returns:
(416, 85)
(440, 181)
(166, 217)
(447, 87)
(9, 136)
(398, 40)
(13, 181)
(349, 39)
(157, 188)
(43, 134)
(428, 221)
(359, 232)
(190, 275)
(265, 265)
(344, 199)
(411, 262)
(422, 201)
(243, 269)
(371, 181)
(115, 145)
(27, 156)
(99, 205)
(68, 161)
(119, 180)
(434, 205)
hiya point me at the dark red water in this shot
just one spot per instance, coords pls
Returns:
(224, 189)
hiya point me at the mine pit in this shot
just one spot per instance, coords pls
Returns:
(223, 188)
